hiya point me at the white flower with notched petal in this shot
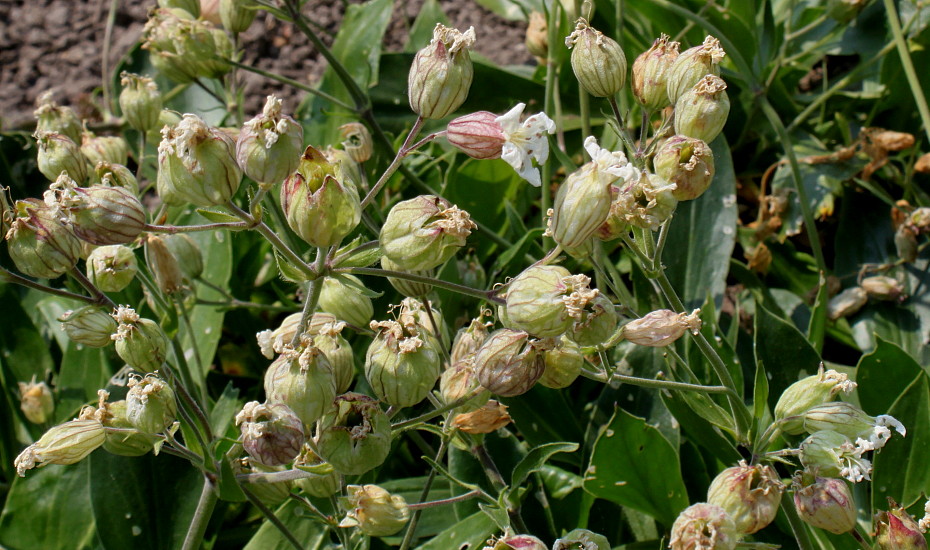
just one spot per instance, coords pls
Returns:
(526, 141)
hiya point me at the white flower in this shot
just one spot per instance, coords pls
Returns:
(525, 142)
(606, 162)
(924, 522)
(879, 434)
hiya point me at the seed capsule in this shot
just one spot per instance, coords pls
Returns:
(36, 401)
(441, 73)
(562, 365)
(269, 146)
(52, 117)
(66, 443)
(271, 433)
(806, 393)
(150, 404)
(509, 363)
(302, 379)
(661, 328)
(597, 60)
(39, 244)
(686, 162)
(100, 214)
(826, 503)
(749, 494)
(141, 343)
(57, 153)
(89, 326)
(401, 365)
(535, 301)
(356, 436)
(374, 511)
(691, 66)
(650, 73)
(140, 101)
(703, 526)
(897, 530)
(341, 297)
(847, 303)
(423, 232)
(702, 111)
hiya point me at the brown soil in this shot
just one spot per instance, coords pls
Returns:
(58, 45)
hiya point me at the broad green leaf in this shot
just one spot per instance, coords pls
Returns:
(217, 216)
(421, 32)
(702, 236)
(536, 458)
(142, 502)
(633, 465)
(817, 325)
(52, 308)
(84, 370)
(358, 47)
(700, 431)
(22, 347)
(902, 466)
(287, 270)
(883, 375)
(49, 508)
(705, 407)
(471, 532)
(783, 351)
(310, 533)
(225, 409)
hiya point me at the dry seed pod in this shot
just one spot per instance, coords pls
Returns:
(661, 328)
(509, 363)
(750, 495)
(847, 303)
(703, 525)
(271, 433)
(650, 73)
(826, 503)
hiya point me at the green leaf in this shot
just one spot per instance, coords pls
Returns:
(760, 397)
(783, 351)
(902, 466)
(536, 458)
(287, 270)
(559, 483)
(348, 256)
(217, 216)
(883, 375)
(23, 349)
(700, 431)
(702, 236)
(84, 370)
(633, 465)
(471, 532)
(818, 323)
(310, 533)
(142, 502)
(421, 32)
(224, 409)
(49, 508)
(705, 407)
(356, 286)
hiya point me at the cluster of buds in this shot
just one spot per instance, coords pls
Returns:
(184, 48)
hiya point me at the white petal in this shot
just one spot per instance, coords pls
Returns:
(521, 162)
(510, 121)
(892, 422)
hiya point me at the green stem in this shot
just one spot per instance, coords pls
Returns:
(424, 494)
(198, 526)
(548, 106)
(340, 532)
(173, 229)
(202, 372)
(270, 516)
(442, 502)
(669, 385)
(7, 276)
(314, 288)
(289, 81)
(99, 297)
(908, 65)
(405, 424)
(275, 241)
(487, 295)
(798, 528)
(395, 164)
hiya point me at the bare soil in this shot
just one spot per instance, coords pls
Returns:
(59, 45)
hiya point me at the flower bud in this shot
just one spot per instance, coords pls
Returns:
(686, 162)
(535, 301)
(645, 202)
(64, 444)
(881, 287)
(897, 530)
(36, 401)
(96, 149)
(39, 244)
(271, 433)
(400, 365)
(302, 379)
(405, 287)
(345, 301)
(596, 323)
(516, 542)
(101, 215)
(537, 36)
(703, 526)
(691, 66)
(374, 511)
(583, 201)
(123, 439)
(826, 503)
(423, 232)
(187, 253)
(749, 494)
(441, 73)
(832, 454)
(459, 381)
(702, 111)
(562, 365)
(89, 326)
(150, 404)
(905, 242)
(116, 175)
(57, 154)
(320, 485)
(52, 117)
(650, 73)
(237, 15)
(357, 141)
(356, 437)
(196, 164)
(661, 328)
(163, 264)
(484, 420)
(183, 48)
(597, 60)
(269, 146)
(806, 393)
(582, 539)
(469, 339)
(478, 135)
(847, 303)
(140, 101)
(320, 204)
(338, 352)
(141, 343)
(509, 363)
